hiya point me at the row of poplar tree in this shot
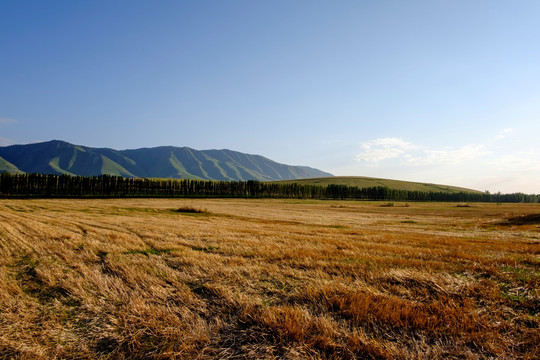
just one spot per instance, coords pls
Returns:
(46, 185)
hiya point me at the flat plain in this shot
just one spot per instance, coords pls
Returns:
(265, 279)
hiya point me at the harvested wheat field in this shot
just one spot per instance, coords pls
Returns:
(265, 279)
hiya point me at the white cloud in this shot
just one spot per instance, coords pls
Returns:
(389, 143)
(377, 150)
(503, 133)
(447, 156)
(508, 166)
(376, 155)
(6, 121)
(384, 148)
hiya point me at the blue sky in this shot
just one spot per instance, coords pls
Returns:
(434, 91)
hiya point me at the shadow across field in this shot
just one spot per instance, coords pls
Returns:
(530, 219)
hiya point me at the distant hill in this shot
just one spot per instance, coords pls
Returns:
(363, 182)
(60, 157)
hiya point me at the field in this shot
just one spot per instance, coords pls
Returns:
(265, 279)
(365, 182)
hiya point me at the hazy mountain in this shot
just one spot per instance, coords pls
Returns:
(60, 157)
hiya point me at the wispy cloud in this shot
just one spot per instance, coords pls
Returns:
(378, 150)
(511, 165)
(503, 133)
(383, 149)
(410, 154)
(447, 156)
(5, 121)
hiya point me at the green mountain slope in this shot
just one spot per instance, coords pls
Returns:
(59, 157)
(364, 182)
(6, 166)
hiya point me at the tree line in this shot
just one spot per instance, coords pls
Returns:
(107, 186)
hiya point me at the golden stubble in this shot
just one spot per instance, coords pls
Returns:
(256, 279)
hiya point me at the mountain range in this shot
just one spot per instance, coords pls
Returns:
(60, 157)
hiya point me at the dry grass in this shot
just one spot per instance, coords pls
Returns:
(264, 279)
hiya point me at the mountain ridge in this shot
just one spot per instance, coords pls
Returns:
(61, 157)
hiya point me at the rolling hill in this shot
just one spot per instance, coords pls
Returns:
(363, 182)
(60, 157)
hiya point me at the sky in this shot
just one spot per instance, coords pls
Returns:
(436, 91)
